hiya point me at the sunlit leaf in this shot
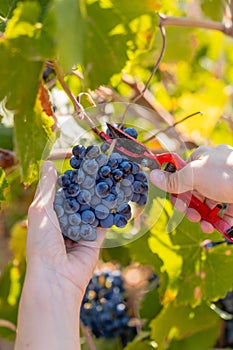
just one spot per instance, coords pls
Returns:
(180, 323)
(3, 184)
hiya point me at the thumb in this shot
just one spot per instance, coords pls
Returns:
(178, 182)
(46, 187)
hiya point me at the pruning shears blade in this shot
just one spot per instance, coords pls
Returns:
(136, 146)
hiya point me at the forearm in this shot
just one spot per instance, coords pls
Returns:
(48, 317)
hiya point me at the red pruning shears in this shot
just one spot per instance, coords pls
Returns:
(137, 151)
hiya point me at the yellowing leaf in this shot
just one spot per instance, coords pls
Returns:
(211, 101)
(17, 242)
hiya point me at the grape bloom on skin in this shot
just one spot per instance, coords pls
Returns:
(97, 191)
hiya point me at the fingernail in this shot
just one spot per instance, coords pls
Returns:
(157, 176)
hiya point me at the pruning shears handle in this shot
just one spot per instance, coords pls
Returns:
(211, 215)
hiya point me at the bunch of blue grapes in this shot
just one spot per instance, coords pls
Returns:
(104, 308)
(96, 192)
(227, 305)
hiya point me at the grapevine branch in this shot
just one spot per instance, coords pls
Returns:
(7, 324)
(88, 337)
(163, 34)
(77, 106)
(196, 23)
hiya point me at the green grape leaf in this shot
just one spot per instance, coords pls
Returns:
(37, 130)
(3, 184)
(28, 35)
(6, 137)
(150, 305)
(108, 32)
(7, 7)
(194, 272)
(11, 282)
(213, 9)
(32, 127)
(177, 323)
(13, 71)
(147, 258)
(68, 31)
(125, 8)
(139, 345)
(204, 340)
(120, 254)
(205, 273)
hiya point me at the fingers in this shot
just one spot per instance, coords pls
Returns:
(194, 216)
(199, 153)
(47, 186)
(178, 182)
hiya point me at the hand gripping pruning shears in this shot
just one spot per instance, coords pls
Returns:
(137, 151)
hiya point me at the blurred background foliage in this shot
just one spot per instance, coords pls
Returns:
(109, 48)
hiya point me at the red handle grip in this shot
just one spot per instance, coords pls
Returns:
(207, 214)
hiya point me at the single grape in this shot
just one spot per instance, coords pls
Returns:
(84, 197)
(90, 166)
(101, 211)
(128, 191)
(137, 186)
(74, 219)
(140, 176)
(88, 182)
(109, 201)
(59, 197)
(108, 221)
(73, 232)
(75, 163)
(63, 180)
(136, 197)
(124, 208)
(131, 132)
(105, 171)
(102, 189)
(79, 151)
(59, 210)
(72, 190)
(145, 187)
(88, 217)
(143, 199)
(63, 222)
(117, 175)
(113, 163)
(88, 233)
(92, 151)
(102, 159)
(120, 220)
(95, 223)
(71, 205)
(128, 180)
(135, 168)
(126, 166)
(117, 156)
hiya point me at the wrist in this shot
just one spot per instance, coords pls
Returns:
(48, 311)
(47, 283)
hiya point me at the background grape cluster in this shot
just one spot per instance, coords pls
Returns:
(104, 307)
(97, 191)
